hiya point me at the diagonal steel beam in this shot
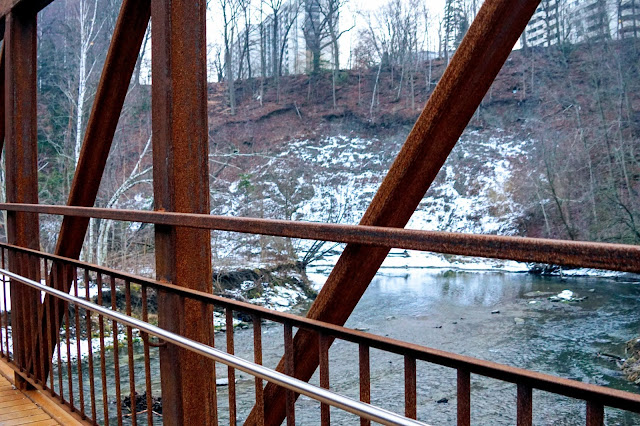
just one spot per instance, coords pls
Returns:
(114, 82)
(466, 80)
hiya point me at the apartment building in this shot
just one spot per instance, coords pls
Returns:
(574, 21)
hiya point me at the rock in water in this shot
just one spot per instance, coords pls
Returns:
(631, 367)
(565, 295)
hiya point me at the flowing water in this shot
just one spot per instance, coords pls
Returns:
(452, 311)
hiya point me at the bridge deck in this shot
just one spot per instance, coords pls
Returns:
(17, 408)
(32, 407)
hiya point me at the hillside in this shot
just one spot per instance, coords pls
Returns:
(553, 135)
(551, 152)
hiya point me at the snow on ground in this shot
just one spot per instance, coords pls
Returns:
(333, 179)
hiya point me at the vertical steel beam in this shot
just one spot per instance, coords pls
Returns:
(181, 184)
(22, 171)
(466, 80)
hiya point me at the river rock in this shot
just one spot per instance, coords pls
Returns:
(566, 296)
(224, 381)
(519, 320)
(631, 367)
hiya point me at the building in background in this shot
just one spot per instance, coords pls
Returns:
(575, 21)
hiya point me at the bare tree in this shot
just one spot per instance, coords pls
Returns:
(229, 10)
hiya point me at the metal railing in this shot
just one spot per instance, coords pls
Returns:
(65, 376)
(325, 396)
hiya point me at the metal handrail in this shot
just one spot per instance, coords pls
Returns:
(546, 382)
(617, 257)
(319, 394)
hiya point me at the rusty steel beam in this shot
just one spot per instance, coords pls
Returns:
(466, 80)
(616, 257)
(21, 162)
(181, 184)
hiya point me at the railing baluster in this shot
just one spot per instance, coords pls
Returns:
(92, 382)
(289, 370)
(6, 308)
(22, 310)
(525, 405)
(595, 414)
(325, 415)
(257, 358)
(67, 324)
(56, 303)
(41, 318)
(48, 277)
(147, 365)
(76, 308)
(132, 382)
(410, 409)
(231, 372)
(103, 360)
(214, 392)
(116, 351)
(365, 378)
(464, 397)
(33, 309)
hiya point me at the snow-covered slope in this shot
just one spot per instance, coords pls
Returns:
(333, 179)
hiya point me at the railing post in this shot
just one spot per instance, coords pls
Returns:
(22, 173)
(181, 184)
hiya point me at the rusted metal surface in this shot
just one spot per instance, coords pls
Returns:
(365, 377)
(526, 380)
(324, 342)
(103, 356)
(595, 414)
(463, 397)
(147, 357)
(570, 388)
(524, 405)
(257, 358)
(288, 370)
(130, 344)
(20, 107)
(619, 257)
(410, 408)
(32, 6)
(231, 372)
(92, 385)
(181, 184)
